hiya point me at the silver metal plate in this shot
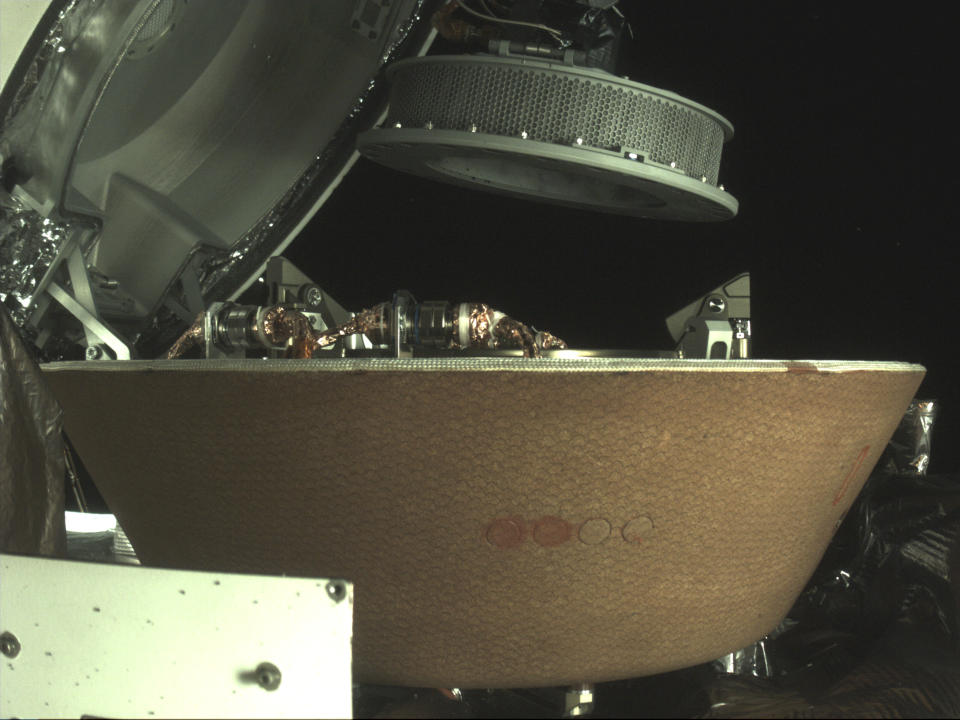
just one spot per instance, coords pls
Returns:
(108, 640)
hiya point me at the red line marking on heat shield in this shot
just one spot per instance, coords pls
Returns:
(851, 474)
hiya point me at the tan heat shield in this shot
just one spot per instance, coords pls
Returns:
(507, 521)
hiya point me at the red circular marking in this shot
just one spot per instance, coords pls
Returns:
(504, 533)
(551, 531)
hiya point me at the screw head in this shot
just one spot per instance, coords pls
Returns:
(93, 353)
(313, 297)
(268, 676)
(336, 590)
(716, 304)
(9, 645)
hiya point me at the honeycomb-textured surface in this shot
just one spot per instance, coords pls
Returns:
(503, 529)
(506, 97)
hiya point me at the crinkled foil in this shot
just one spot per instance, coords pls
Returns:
(893, 562)
(489, 328)
(192, 336)
(372, 322)
(281, 326)
(479, 322)
(909, 450)
(549, 341)
(510, 333)
(29, 244)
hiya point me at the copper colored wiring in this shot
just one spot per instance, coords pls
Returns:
(487, 327)
(480, 317)
(510, 333)
(548, 341)
(370, 322)
(458, 30)
(281, 325)
(193, 335)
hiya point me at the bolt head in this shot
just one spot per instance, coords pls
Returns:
(9, 645)
(313, 297)
(268, 676)
(336, 590)
(93, 353)
(716, 304)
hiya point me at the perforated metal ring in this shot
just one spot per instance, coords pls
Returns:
(558, 133)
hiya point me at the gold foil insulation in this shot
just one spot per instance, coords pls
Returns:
(193, 335)
(373, 322)
(282, 326)
(479, 326)
(548, 341)
(474, 325)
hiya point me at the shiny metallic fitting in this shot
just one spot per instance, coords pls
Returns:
(236, 327)
(741, 339)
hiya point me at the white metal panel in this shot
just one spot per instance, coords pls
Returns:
(127, 641)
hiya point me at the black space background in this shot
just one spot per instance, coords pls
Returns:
(843, 162)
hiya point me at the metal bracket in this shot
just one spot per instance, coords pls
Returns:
(288, 284)
(80, 303)
(91, 325)
(716, 325)
(369, 17)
